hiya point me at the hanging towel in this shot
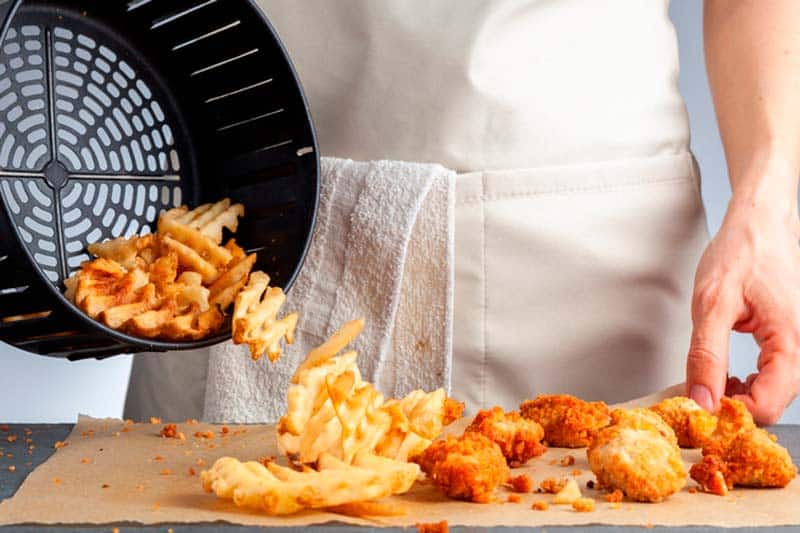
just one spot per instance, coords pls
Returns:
(382, 250)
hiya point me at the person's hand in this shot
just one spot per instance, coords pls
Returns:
(748, 280)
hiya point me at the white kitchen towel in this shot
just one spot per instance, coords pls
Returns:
(382, 250)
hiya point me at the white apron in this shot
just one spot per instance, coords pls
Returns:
(579, 221)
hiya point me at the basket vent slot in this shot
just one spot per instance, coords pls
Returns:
(87, 148)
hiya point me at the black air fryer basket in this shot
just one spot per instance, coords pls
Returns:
(114, 110)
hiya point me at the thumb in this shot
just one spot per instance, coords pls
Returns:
(707, 361)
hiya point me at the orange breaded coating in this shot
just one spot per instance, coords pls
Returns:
(641, 418)
(583, 505)
(733, 418)
(469, 467)
(518, 438)
(711, 474)
(453, 409)
(692, 424)
(521, 483)
(742, 454)
(434, 527)
(568, 422)
(635, 456)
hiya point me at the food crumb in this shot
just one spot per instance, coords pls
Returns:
(615, 505)
(104, 486)
(166, 472)
(692, 490)
(59, 444)
(140, 487)
(266, 460)
(86, 461)
(577, 472)
(4, 427)
(590, 484)
(57, 480)
(583, 505)
(225, 430)
(129, 422)
(12, 468)
(521, 483)
(192, 471)
(154, 420)
(115, 530)
(200, 462)
(614, 497)
(170, 530)
(158, 458)
(191, 421)
(434, 527)
(514, 498)
(170, 431)
(156, 506)
(181, 436)
(552, 485)
(539, 506)
(567, 460)
(11, 438)
(204, 434)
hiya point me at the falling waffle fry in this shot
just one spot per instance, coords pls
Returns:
(331, 410)
(255, 320)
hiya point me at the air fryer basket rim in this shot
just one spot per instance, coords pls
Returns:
(138, 344)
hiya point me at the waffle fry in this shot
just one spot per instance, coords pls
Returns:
(224, 290)
(278, 490)
(128, 252)
(210, 219)
(331, 410)
(255, 321)
(172, 285)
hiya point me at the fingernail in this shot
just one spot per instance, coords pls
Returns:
(702, 395)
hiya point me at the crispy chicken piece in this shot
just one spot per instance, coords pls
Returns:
(741, 454)
(733, 418)
(635, 456)
(518, 438)
(568, 422)
(692, 424)
(469, 467)
(641, 418)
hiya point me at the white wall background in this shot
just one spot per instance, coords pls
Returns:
(34, 389)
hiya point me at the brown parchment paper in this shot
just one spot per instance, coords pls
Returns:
(137, 490)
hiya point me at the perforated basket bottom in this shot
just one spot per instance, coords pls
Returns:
(88, 147)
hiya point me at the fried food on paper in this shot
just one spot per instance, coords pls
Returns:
(469, 467)
(568, 422)
(255, 318)
(174, 285)
(332, 410)
(692, 424)
(277, 490)
(519, 439)
(634, 455)
(740, 454)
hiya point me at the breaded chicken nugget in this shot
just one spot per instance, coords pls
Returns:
(641, 418)
(519, 439)
(635, 456)
(469, 467)
(692, 424)
(743, 454)
(568, 422)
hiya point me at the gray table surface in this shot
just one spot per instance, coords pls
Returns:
(44, 436)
